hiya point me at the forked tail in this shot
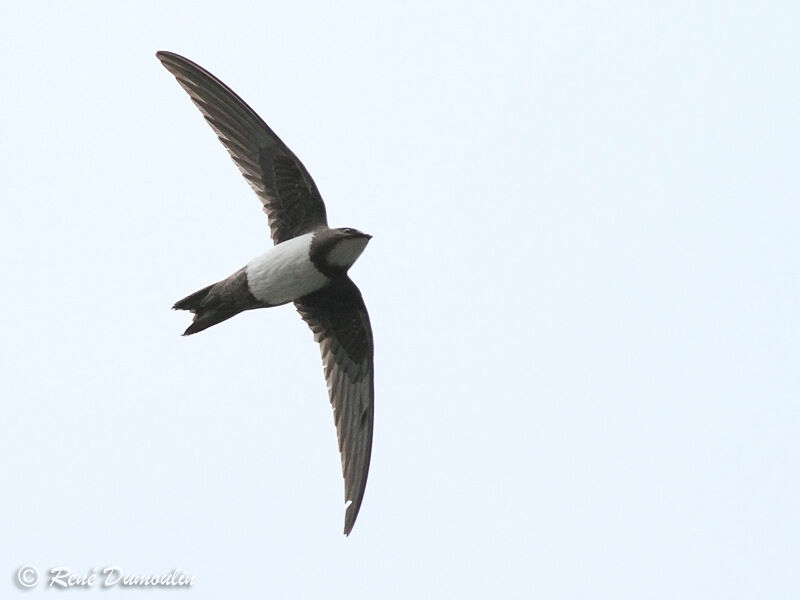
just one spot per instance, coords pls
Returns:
(215, 303)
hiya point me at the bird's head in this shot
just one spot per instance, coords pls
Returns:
(343, 246)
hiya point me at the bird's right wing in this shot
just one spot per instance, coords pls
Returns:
(338, 317)
(289, 195)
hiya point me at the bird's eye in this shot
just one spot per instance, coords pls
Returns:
(348, 230)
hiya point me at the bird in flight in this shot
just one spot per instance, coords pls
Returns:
(307, 265)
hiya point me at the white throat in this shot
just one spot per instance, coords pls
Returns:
(346, 251)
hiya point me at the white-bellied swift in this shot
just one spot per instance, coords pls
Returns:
(307, 265)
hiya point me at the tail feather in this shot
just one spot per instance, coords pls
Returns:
(209, 306)
(193, 301)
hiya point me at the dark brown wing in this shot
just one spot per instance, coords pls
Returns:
(289, 195)
(337, 316)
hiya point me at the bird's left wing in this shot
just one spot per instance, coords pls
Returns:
(338, 318)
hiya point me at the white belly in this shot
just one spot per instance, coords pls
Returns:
(284, 272)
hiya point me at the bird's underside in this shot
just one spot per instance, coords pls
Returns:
(331, 304)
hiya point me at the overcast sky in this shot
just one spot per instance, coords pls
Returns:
(584, 286)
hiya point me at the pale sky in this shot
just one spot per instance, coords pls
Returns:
(584, 285)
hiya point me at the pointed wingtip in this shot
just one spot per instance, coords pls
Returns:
(165, 56)
(350, 515)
